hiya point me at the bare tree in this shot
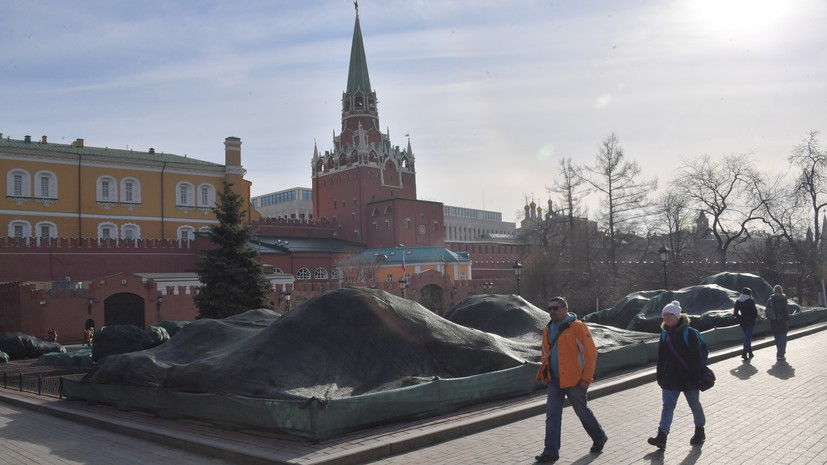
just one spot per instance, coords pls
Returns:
(729, 191)
(673, 208)
(569, 186)
(811, 186)
(359, 269)
(624, 195)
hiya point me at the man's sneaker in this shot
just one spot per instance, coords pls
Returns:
(547, 458)
(597, 446)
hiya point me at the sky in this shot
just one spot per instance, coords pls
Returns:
(493, 94)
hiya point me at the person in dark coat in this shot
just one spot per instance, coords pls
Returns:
(673, 378)
(746, 313)
(781, 324)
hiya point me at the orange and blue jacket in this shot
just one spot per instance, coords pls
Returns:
(576, 354)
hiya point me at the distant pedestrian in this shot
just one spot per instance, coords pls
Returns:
(778, 312)
(88, 335)
(52, 335)
(568, 361)
(679, 368)
(746, 313)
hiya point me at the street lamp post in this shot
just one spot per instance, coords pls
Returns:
(518, 269)
(158, 302)
(664, 258)
(403, 284)
(488, 287)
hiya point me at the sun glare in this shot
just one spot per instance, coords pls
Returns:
(739, 16)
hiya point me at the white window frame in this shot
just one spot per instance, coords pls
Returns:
(111, 227)
(111, 194)
(320, 273)
(48, 224)
(25, 226)
(303, 274)
(190, 233)
(51, 185)
(184, 194)
(136, 190)
(21, 189)
(208, 190)
(136, 231)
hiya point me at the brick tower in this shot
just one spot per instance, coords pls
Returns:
(366, 185)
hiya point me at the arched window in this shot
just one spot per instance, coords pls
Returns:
(130, 231)
(45, 229)
(130, 190)
(18, 183)
(320, 273)
(185, 233)
(46, 185)
(303, 273)
(107, 231)
(20, 228)
(206, 195)
(107, 190)
(335, 274)
(185, 195)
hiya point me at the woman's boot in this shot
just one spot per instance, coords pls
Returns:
(699, 437)
(659, 440)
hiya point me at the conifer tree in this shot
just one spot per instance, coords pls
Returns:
(232, 279)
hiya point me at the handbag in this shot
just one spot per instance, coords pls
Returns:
(707, 378)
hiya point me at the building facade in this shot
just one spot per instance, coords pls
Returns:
(77, 191)
(295, 203)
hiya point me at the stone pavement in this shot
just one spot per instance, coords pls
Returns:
(762, 412)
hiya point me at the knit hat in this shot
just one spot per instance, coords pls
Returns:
(673, 308)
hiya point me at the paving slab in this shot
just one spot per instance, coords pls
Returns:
(747, 398)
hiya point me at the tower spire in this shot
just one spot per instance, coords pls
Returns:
(357, 76)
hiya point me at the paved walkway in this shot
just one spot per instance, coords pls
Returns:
(763, 412)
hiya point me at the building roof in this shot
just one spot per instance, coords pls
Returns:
(76, 148)
(413, 255)
(288, 244)
(357, 75)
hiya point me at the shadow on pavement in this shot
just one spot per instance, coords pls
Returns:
(782, 370)
(745, 371)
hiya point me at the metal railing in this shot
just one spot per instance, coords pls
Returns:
(43, 381)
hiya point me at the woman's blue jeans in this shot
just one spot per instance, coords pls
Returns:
(747, 337)
(670, 400)
(780, 344)
(578, 398)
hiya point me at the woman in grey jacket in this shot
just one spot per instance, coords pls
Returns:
(781, 323)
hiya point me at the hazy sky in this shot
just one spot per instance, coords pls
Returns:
(492, 93)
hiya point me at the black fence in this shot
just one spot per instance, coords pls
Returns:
(41, 380)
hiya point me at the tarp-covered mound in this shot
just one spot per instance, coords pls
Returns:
(73, 357)
(340, 343)
(709, 304)
(21, 345)
(512, 317)
(509, 316)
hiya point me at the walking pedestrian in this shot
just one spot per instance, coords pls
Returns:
(746, 313)
(567, 366)
(679, 369)
(778, 312)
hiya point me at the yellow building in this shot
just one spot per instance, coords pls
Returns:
(72, 190)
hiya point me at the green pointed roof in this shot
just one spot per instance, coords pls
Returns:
(357, 75)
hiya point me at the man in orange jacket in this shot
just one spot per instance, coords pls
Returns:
(567, 367)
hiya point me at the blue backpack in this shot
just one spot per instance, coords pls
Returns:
(704, 349)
